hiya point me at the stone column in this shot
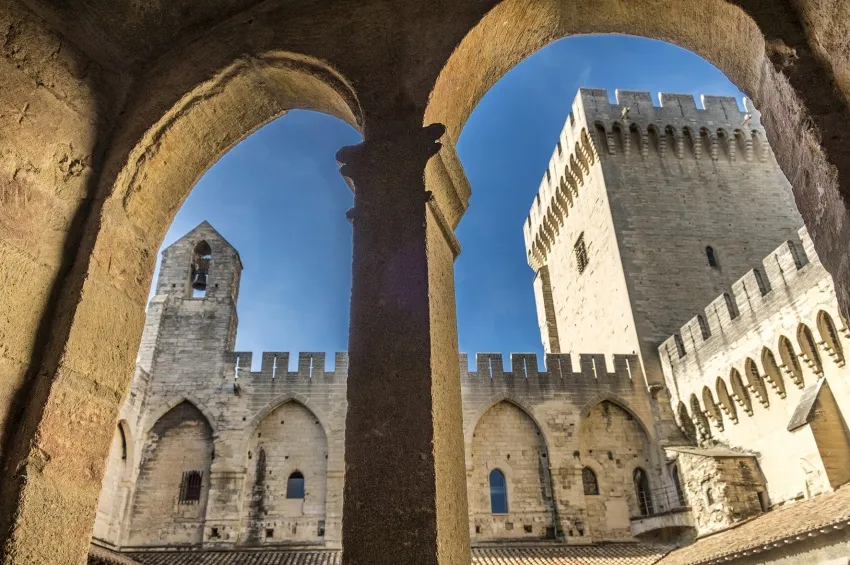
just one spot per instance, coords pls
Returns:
(405, 491)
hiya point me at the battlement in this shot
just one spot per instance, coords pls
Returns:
(635, 129)
(559, 368)
(748, 300)
(275, 366)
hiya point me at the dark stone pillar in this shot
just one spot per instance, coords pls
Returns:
(405, 490)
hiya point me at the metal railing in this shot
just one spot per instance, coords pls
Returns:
(660, 500)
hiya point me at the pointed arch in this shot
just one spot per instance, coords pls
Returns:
(523, 488)
(790, 362)
(739, 391)
(772, 372)
(700, 417)
(830, 338)
(725, 400)
(496, 399)
(755, 381)
(809, 348)
(686, 423)
(174, 478)
(711, 407)
(155, 415)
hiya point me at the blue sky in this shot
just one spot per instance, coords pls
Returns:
(278, 197)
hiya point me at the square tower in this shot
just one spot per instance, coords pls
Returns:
(647, 213)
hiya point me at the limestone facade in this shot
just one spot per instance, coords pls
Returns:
(587, 444)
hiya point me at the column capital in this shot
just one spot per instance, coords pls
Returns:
(416, 147)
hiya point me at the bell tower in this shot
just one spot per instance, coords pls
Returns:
(193, 311)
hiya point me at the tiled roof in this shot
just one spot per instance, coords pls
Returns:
(599, 554)
(99, 555)
(821, 514)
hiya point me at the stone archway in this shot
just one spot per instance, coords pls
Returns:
(86, 86)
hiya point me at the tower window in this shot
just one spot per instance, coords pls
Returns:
(712, 258)
(295, 485)
(498, 492)
(199, 279)
(190, 487)
(588, 478)
(580, 250)
(644, 498)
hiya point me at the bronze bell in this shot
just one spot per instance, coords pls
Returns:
(199, 281)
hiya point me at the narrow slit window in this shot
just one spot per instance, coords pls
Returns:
(498, 492)
(712, 257)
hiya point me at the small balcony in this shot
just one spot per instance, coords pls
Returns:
(664, 516)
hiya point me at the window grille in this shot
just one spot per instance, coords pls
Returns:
(588, 477)
(581, 254)
(190, 487)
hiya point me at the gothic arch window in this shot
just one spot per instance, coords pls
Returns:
(588, 479)
(755, 382)
(726, 400)
(829, 335)
(711, 407)
(740, 392)
(498, 492)
(790, 361)
(190, 487)
(772, 371)
(677, 484)
(199, 278)
(809, 348)
(295, 485)
(644, 496)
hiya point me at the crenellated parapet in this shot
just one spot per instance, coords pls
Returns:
(748, 300)
(561, 371)
(635, 129)
(275, 367)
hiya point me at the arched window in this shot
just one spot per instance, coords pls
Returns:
(498, 492)
(790, 361)
(755, 382)
(772, 372)
(295, 485)
(588, 478)
(190, 487)
(829, 335)
(644, 497)
(809, 348)
(199, 279)
(740, 392)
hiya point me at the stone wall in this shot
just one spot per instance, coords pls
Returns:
(651, 187)
(721, 489)
(531, 422)
(744, 365)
